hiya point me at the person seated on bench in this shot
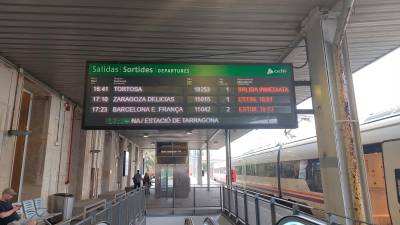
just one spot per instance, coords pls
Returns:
(8, 212)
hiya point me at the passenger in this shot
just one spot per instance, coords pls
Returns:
(8, 212)
(146, 183)
(137, 179)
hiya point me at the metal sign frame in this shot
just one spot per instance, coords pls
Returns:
(290, 119)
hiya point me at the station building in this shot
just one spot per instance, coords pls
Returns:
(47, 150)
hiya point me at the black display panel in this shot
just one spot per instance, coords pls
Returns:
(125, 167)
(189, 96)
(172, 152)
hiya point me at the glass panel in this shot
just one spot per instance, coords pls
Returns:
(167, 180)
(265, 213)
(232, 209)
(170, 178)
(185, 202)
(163, 179)
(241, 206)
(225, 197)
(161, 196)
(282, 212)
(207, 197)
(251, 210)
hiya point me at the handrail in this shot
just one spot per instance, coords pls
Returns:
(94, 206)
(188, 221)
(299, 219)
(294, 210)
(195, 196)
(210, 221)
(265, 198)
(109, 217)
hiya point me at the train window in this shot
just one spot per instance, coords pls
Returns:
(302, 169)
(239, 170)
(271, 170)
(260, 169)
(313, 175)
(317, 176)
(296, 169)
(397, 176)
(250, 170)
(285, 170)
(290, 169)
(266, 170)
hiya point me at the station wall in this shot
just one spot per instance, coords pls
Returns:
(59, 156)
(8, 92)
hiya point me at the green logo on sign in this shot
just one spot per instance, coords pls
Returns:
(271, 71)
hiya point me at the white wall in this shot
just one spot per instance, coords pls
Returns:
(8, 86)
(59, 150)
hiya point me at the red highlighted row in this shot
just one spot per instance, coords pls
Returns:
(263, 89)
(255, 99)
(255, 109)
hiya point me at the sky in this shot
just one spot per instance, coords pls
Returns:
(376, 86)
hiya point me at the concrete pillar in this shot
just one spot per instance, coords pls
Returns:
(95, 150)
(193, 163)
(119, 162)
(140, 161)
(131, 171)
(340, 151)
(136, 159)
(199, 168)
(107, 162)
(115, 158)
(208, 165)
(94, 173)
(84, 166)
(228, 157)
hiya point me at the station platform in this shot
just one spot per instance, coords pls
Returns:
(97, 95)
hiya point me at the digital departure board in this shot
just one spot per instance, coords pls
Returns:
(189, 96)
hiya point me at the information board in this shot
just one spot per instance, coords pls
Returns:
(168, 149)
(172, 152)
(189, 96)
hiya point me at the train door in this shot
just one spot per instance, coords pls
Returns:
(376, 184)
(391, 152)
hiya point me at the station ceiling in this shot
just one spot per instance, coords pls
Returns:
(52, 40)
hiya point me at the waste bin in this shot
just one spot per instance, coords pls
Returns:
(64, 203)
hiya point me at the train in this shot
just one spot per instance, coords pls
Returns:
(299, 176)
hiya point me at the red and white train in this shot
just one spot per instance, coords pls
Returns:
(300, 172)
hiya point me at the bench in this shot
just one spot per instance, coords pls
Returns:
(34, 209)
(30, 212)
